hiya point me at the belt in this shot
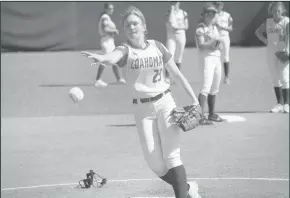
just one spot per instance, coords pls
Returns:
(151, 99)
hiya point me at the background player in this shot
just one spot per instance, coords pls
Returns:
(275, 34)
(225, 25)
(145, 62)
(107, 30)
(176, 26)
(209, 44)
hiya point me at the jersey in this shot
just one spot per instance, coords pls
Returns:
(108, 21)
(178, 18)
(223, 19)
(205, 31)
(145, 69)
(276, 33)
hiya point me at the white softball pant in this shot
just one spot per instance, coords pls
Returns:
(107, 44)
(159, 138)
(279, 71)
(226, 48)
(175, 44)
(211, 71)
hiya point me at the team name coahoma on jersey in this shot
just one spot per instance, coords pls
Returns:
(275, 30)
(147, 62)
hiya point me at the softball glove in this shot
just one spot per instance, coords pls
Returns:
(282, 56)
(187, 117)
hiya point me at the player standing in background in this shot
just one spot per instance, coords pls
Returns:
(225, 25)
(176, 26)
(209, 43)
(276, 29)
(145, 62)
(107, 30)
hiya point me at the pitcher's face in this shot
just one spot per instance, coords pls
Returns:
(277, 12)
(134, 27)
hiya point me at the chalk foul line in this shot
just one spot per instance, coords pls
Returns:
(151, 179)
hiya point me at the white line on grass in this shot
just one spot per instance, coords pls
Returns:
(152, 179)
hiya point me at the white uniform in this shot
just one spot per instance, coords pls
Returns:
(276, 34)
(107, 40)
(223, 19)
(209, 62)
(176, 39)
(159, 138)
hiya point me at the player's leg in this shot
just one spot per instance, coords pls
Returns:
(284, 76)
(226, 53)
(149, 139)
(170, 144)
(207, 72)
(99, 82)
(180, 45)
(171, 46)
(274, 73)
(213, 92)
(115, 68)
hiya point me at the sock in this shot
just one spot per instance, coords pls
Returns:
(286, 96)
(226, 68)
(178, 65)
(177, 178)
(201, 100)
(211, 103)
(278, 93)
(116, 72)
(100, 72)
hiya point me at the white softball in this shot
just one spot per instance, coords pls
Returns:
(76, 94)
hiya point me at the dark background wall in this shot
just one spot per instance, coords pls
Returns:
(43, 26)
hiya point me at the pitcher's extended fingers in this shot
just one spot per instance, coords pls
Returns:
(87, 54)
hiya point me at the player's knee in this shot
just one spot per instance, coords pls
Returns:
(173, 159)
(277, 83)
(205, 93)
(205, 90)
(102, 66)
(158, 167)
(226, 59)
(285, 84)
(214, 91)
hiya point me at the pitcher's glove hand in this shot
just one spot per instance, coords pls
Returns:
(217, 45)
(282, 56)
(187, 117)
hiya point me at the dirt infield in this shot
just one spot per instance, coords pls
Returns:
(229, 159)
(49, 143)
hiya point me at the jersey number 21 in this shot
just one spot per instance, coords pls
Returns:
(157, 75)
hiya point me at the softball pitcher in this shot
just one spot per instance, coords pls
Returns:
(176, 26)
(107, 30)
(209, 43)
(145, 62)
(225, 25)
(277, 30)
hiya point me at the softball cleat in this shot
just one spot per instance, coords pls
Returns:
(277, 109)
(286, 108)
(193, 190)
(100, 83)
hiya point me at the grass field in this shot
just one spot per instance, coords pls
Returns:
(49, 143)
